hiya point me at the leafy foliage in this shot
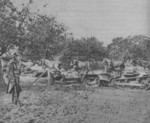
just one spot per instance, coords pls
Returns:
(8, 30)
(36, 35)
(84, 49)
(136, 47)
(45, 38)
(40, 36)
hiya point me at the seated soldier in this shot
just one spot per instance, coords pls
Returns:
(75, 66)
(74, 69)
(57, 72)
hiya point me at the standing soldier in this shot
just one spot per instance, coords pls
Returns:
(13, 73)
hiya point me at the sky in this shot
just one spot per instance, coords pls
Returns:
(104, 19)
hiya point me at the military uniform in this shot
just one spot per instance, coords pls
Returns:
(75, 66)
(57, 73)
(13, 72)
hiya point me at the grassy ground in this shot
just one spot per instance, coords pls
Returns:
(77, 104)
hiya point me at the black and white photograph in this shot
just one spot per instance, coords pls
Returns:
(74, 61)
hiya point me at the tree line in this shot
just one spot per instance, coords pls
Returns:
(41, 36)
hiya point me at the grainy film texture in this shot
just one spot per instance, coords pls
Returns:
(74, 61)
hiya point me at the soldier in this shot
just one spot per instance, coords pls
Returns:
(13, 73)
(57, 73)
(75, 66)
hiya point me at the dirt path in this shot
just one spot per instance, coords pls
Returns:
(77, 105)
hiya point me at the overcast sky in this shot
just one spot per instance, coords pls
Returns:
(104, 19)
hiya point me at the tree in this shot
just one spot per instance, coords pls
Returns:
(38, 36)
(12, 25)
(136, 47)
(46, 37)
(84, 49)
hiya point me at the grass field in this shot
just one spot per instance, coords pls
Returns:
(76, 104)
